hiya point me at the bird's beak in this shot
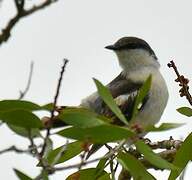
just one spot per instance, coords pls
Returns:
(111, 47)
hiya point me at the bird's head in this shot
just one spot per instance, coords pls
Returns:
(133, 52)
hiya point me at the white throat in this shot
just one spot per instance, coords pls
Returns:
(135, 59)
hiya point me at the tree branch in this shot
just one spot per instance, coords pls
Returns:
(23, 93)
(183, 82)
(21, 12)
(50, 122)
(14, 149)
(18, 150)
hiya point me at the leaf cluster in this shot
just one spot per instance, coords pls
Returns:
(86, 132)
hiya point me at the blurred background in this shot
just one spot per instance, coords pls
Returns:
(79, 31)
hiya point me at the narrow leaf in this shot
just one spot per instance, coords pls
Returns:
(80, 117)
(25, 132)
(182, 157)
(48, 107)
(153, 158)
(21, 175)
(108, 99)
(98, 134)
(164, 127)
(8, 105)
(49, 147)
(71, 150)
(143, 91)
(101, 166)
(21, 118)
(135, 167)
(185, 111)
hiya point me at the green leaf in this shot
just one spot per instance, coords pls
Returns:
(185, 111)
(143, 91)
(80, 117)
(108, 99)
(100, 166)
(182, 157)
(66, 153)
(45, 175)
(21, 175)
(98, 134)
(104, 177)
(164, 127)
(21, 118)
(8, 105)
(153, 158)
(25, 132)
(135, 167)
(48, 107)
(88, 174)
(49, 147)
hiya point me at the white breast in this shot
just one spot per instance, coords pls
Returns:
(156, 103)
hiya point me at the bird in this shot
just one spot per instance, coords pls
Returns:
(138, 61)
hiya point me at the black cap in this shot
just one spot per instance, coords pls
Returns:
(131, 43)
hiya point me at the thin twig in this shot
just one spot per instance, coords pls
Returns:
(116, 166)
(82, 156)
(23, 93)
(35, 151)
(14, 149)
(112, 169)
(18, 150)
(183, 82)
(21, 12)
(65, 61)
(60, 153)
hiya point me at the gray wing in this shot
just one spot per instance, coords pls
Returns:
(123, 91)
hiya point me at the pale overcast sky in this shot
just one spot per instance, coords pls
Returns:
(79, 30)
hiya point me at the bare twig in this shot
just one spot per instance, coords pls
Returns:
(23, 93)
(34, 151)
(58, 156)
(18, 150)
(183, 82)
(14, 149)
(82, 156)
(65, 61)
(116, 166)
(21, 12)
(112, 169)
